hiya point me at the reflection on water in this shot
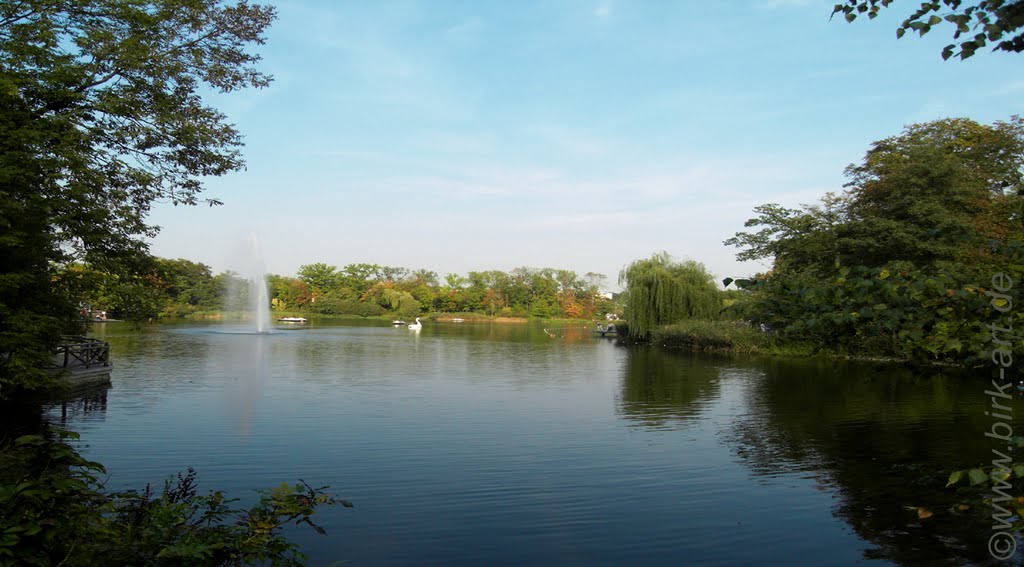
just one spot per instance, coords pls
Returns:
(248, 356)
(661, 389)
(884, 439)
(88, 404)
(471, 444)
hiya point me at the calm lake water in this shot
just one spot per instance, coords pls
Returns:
(489, 444)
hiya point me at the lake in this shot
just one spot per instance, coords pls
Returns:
(497, 444)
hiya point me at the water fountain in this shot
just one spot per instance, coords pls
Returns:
(248, 292)
(259, 301)
(248, 356)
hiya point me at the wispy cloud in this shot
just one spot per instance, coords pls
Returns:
(1008, 89)
(933, 109)
(563, 139)
(465, 31)
(604, 9)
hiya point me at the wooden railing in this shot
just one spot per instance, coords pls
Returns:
(81, 352)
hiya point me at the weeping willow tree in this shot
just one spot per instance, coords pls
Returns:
(660, 291)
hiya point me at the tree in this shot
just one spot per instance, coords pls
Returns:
(927, 218)
(455, 281)
(661, 291)
(423, 285)
(519, 294)
(594, 281)
(288, 293)
(401, 302)
(359, 277)
(189, 286)
(424, 277)
(111, 93)
(319, 277)
(100, 117)
(393, 273)
(935, 195)
(797, 237)
(978, 23)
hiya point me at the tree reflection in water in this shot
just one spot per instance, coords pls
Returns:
(884, 438)
(666, 390)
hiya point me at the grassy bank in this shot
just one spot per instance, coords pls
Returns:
(731, 337)
(724, 337)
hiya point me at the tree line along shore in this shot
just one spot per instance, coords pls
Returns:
(919, 258)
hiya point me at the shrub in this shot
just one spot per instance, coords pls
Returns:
(54, 511)
(713, 336)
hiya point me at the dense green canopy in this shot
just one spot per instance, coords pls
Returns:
(900, 263)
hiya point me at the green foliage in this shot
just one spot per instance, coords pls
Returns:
(936, 194)
(401, 302)
(32, 317)
(153, 287)
(660, 291)
(189, 286)
(319, 277)
(714, 336)
(794, 237)
(336, 304)
(544, 308)
(25, 351)
(55, 512)
(910, 314)
(899, 265)
(997, 489)
(975, 23)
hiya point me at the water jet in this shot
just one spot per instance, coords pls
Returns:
(248, 293)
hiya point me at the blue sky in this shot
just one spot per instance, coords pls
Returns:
(468, 135)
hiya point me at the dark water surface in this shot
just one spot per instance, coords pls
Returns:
(481, 444)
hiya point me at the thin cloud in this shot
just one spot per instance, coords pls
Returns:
(465, 31)
(572, 141)
(1008, 89)
(604, 9)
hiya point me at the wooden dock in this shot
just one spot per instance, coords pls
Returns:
(82, 362)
